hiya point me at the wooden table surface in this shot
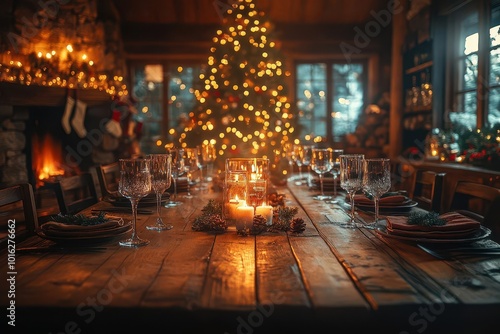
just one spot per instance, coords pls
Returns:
(328, 279)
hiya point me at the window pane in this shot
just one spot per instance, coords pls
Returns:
(148, 88)
(494, 106)
(470, 72)
(495, 67)
(311, 98)
(347, 98)
(466, 111)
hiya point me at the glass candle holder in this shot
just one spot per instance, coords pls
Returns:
(234, 193)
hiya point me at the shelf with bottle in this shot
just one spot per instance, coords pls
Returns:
(418, 92)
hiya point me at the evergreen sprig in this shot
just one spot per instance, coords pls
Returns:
(211, 218)
(81, 219)
(282, 217)
(425, 219)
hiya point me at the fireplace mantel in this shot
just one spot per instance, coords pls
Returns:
(22, 95)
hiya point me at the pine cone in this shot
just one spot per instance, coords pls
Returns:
(276, 199)
(216, 222)
(259, 224)
(297, 225)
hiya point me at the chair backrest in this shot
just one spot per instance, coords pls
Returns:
(17, 205)
(480, 199)
(427, 189)
(76, 193)
(108, 176)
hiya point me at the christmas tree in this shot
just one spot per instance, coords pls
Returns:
(242, 106)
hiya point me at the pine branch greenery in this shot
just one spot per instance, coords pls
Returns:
(425, 219)
(81, 219)
(282, 217)
(211, 218)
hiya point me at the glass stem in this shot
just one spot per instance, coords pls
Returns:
(351, 197)
(376, 201)
(321, 183)
(158, 203)
(334, 185)
(175, 187)
(134, 202)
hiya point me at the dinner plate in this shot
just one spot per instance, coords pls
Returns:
(482, 233)
(147, 201)
(386, 207)
(79, 240)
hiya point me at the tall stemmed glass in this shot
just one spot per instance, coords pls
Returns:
(191, 165)
(321, 163)
(296, 156)
(202, 163)
(376, 181)
(161, 179)
(305, 157)
(209, 154)
(351, 179)
(134, 184)
(177, 171)
(336, 153)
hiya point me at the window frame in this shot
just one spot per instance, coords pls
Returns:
(329, 62)
(483, 9)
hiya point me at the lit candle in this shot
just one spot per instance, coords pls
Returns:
(265, 211)
(233, 205)
(243, 216)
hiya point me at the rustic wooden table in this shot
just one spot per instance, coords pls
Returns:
(327, 279)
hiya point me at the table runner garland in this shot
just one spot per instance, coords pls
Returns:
(212, 219)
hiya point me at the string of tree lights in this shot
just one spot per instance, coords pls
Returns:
(242, 105)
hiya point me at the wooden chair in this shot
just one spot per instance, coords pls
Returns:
(482, 201)
(427, 189)
(76, 193)
(17, 206)
(108, 176)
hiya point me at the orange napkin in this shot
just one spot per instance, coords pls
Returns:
(388, 200)
(457, 225)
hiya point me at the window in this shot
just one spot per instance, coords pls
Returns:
(330, 98)
(473, 62)
(163, 108)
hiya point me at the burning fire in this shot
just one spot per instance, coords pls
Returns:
(47, 155)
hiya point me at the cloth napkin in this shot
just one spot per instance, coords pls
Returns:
(112, 226)
(457, 226)
(393, 200)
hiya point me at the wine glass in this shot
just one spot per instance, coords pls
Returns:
(191, 165)
(177, 170)
(351, 179)
(201, 163)
(161, 179)
(296, 156)
(321, 163)
(209, 155)
(336, 153)
(376, 181)
(256, 192)
(305, 158)
(134, 184)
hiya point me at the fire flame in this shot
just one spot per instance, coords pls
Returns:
(46, 157)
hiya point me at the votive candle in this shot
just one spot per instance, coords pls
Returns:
(265, 211)
(243, 216)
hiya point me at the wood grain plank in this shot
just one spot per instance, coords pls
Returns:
(230, 280)
(182, 275)
(279, 279)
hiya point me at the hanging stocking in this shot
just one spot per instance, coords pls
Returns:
(68, 110)
(113, 125)
(79, 118)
